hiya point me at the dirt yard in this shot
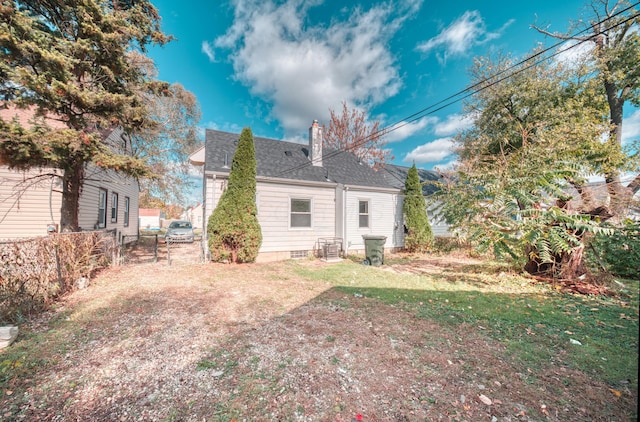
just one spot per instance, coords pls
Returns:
(254, 342)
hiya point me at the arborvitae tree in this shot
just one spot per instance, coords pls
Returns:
(233, 228)
(419, 236)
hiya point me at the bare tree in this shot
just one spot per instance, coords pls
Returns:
(351, 131)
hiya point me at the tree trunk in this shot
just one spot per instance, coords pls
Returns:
(71, 188)
(586, 195)
(619, 196)
(572, 264)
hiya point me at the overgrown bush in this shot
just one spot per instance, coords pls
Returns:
(36, 271)
(618, 253)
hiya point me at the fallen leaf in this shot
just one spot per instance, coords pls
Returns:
(615, 392)
(484, 399)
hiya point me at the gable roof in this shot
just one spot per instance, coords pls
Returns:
(149, 212)
(289, 160)
(397, 176)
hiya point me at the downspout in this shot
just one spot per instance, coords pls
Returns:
(344, 220)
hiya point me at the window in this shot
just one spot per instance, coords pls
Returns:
(300, 213)
(126, 211)
(102, 209)
(114, 207)
(363, 214)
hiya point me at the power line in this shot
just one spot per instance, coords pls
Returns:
(479, 86)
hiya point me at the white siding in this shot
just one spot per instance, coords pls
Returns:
(438, 225)
(384, 219)
(273, 201)
(273, 215)
(29, 201)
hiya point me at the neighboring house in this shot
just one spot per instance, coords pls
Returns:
(306, 196)
(397, 175)
(194, 215)
(150, 218)
(30, 201)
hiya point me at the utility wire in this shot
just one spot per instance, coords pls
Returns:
(477, 87)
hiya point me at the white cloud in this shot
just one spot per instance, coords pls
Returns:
(449, 165)
(225, 127)
(460, 36)
(207, 49)
(430, 152)
(406, 129)
(305, 70)
(631, 128)
(454, 124)
(574, 53)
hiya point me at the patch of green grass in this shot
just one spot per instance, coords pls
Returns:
(538, 324)
(221, 361)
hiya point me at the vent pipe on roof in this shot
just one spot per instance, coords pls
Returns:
(315, 144)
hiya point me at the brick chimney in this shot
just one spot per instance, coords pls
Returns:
(315, 143)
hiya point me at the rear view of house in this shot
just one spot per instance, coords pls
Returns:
(307, 197)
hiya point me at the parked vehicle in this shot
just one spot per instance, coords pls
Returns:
(179, 231)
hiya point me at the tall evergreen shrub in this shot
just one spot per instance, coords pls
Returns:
(233, 229)
(418, 234)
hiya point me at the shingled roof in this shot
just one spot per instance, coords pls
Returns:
(289, 160)
(397, 175)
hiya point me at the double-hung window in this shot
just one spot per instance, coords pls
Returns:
(300, 213)
(102, 209)
(126, 211)
(114, 207)
(363, 214)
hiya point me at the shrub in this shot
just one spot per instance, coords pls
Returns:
(233, 228)
(419, 236)
(34, 272)
(618, 253)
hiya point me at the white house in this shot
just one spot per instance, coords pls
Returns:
(30, 201)
(195, 215)
(305, 196)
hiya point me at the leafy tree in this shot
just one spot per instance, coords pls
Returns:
(419, 236)
(233, 228)
(167, 139)
(615, 54)
(350, 131)
(75, 61)
(533, 134)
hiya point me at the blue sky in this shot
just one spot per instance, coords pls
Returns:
(275, 66)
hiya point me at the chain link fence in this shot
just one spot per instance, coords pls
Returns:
(152, 248)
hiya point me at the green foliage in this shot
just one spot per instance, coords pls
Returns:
(619, 252)
(534, 136)
(419, 236)
(234, 231)
(77, 63)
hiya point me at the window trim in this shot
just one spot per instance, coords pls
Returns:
(114, 207)
(102, 208)
(310, 213)
(127, 203)
(367, 214)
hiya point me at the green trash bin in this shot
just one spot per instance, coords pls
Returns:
(374, 250)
